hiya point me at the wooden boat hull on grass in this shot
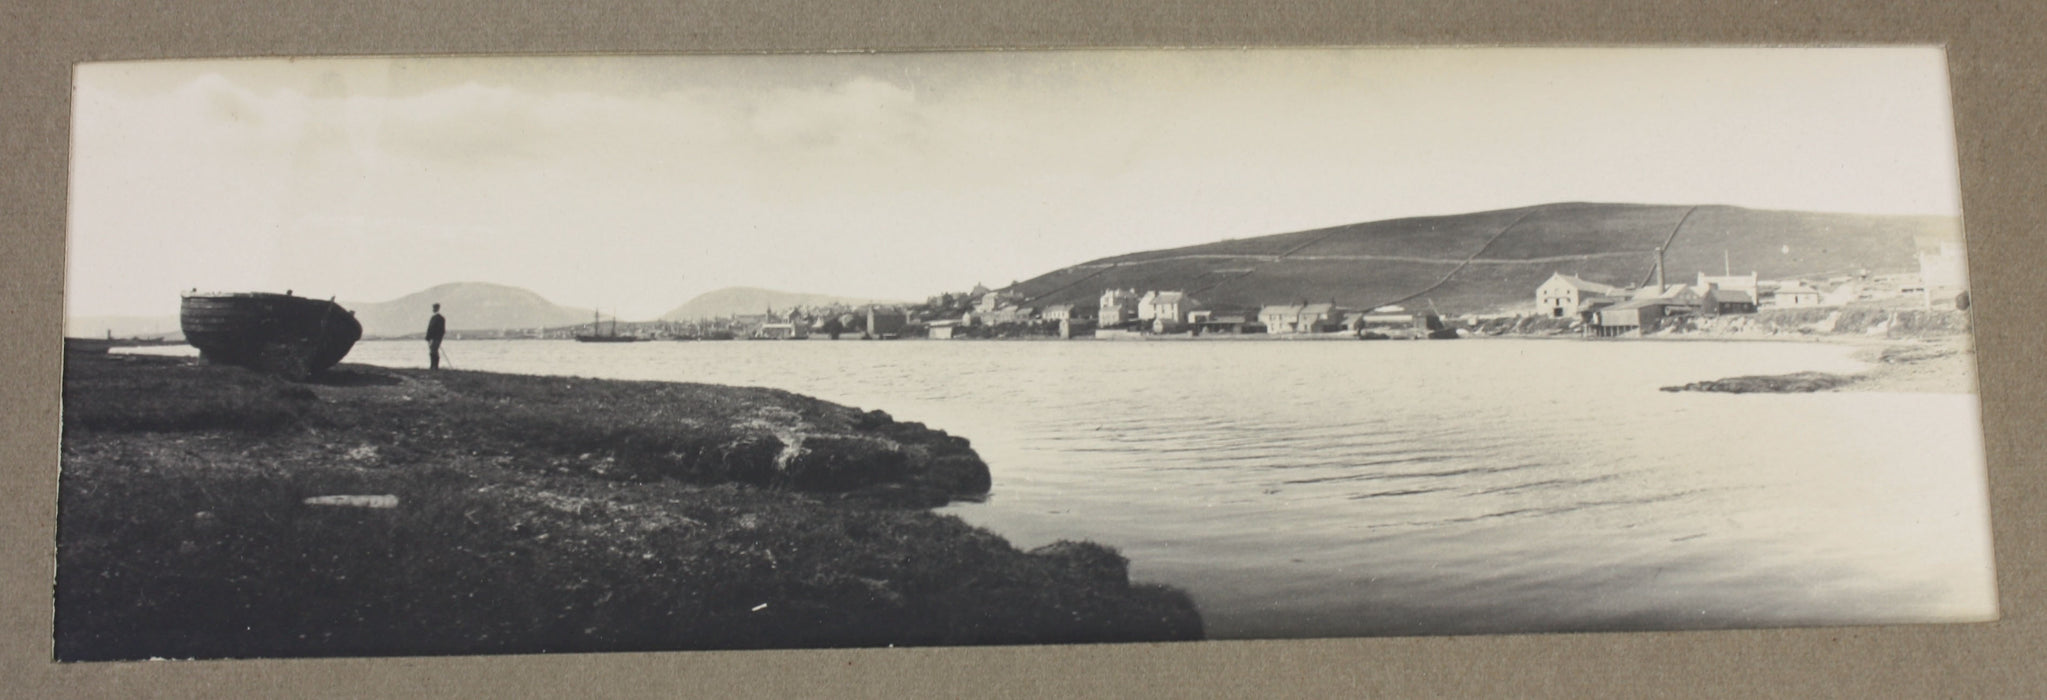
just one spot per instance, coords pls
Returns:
(279, 333)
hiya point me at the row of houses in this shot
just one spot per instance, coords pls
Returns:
(1609, 310)
(1604, 308)
(1941, 277)
(1118, 308)
(1174, 311)
(873, 321)
(1166, 311)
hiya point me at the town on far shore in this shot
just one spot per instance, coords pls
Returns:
(1563, 305)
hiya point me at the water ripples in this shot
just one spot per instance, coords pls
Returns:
(1370, 488)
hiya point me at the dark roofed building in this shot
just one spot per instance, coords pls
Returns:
(1636, 316)
(1719, 300)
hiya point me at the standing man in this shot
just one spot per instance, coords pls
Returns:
(435, 328)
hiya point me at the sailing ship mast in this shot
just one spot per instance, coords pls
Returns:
(596, 334)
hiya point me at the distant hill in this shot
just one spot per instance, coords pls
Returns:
(1494, 260)
(467, 306)
(753, 300)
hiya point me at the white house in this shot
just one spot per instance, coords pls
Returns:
(1067, 312)
(1797, 294)
(1745, 283)
(1118, 307)
(1561, 295)
(1944, 272)
(1171, 307)
(1300, 318)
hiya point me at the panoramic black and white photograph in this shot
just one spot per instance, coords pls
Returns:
(393, 356)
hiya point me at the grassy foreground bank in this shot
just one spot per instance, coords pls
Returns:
(513, 514)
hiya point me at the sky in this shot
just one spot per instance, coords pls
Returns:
(633, 183)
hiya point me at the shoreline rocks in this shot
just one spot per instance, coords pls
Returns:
(1794, 383)
(530, 514)
(1944, 366)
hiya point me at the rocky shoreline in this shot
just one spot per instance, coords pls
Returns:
(1939, 366)
(213, 512)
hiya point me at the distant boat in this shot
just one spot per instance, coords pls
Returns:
(288, 335)
(612, 337)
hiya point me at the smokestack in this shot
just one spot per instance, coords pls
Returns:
(1659, 269)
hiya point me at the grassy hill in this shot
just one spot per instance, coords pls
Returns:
(467, 306)
(1494, 260)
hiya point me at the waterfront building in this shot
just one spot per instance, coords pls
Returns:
(1301, 318)
(1634, 317)
(1677, 296)
(885, 323)
(1168, 307)
(1068, 312)
(1718, 300)
(1564, 295)
(1209, 321)
(793, 330)
(1391, 315)
(1117, 307)
(1745, 283)
(1279, 318)
(1796, 295)
(1007, 314)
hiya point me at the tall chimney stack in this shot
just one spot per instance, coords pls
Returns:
(1659, 270)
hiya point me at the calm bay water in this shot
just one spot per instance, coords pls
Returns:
(1344, 488)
